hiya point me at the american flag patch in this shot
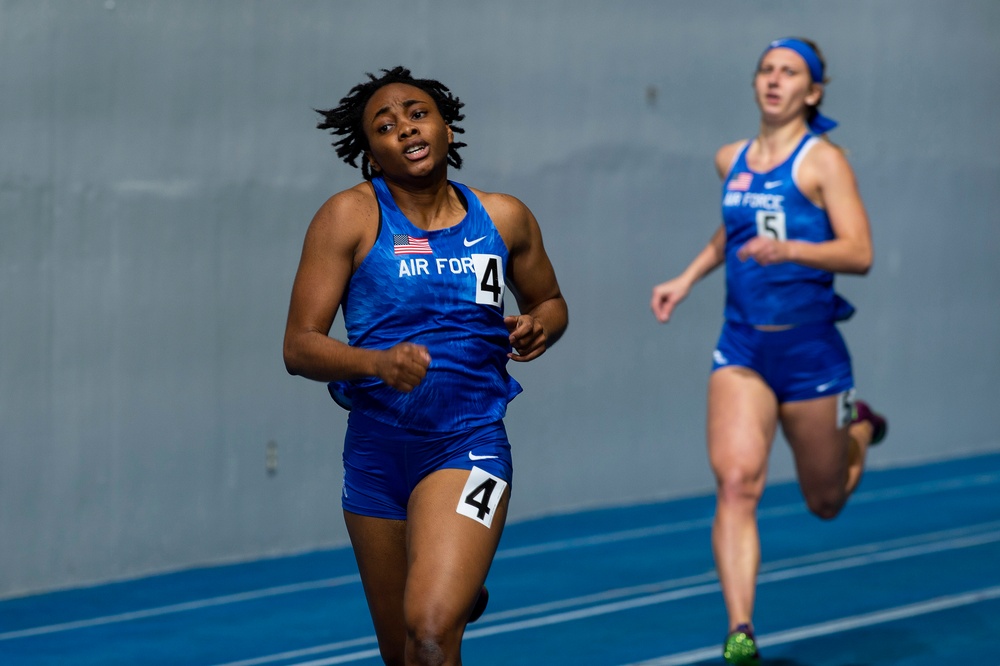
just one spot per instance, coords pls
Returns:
(740, 182)
(404, 244)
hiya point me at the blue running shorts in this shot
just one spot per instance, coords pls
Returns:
(800, 363)
(384, 463)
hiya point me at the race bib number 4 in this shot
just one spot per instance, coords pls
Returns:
(481, 495)
(489, 279)
(845, 408)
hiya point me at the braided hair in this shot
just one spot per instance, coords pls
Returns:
(346, 120)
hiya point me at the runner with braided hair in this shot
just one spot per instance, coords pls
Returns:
(419, 265)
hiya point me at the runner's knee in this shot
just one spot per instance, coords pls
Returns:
(433, 640)
(429, 652)
(738, 485)
(825, 506)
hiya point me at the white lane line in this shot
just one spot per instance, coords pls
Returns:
(182, 607)
(836, 626)
(848, 562)
(318, 649)
(709, 576)
(910, 490)
(777, 638)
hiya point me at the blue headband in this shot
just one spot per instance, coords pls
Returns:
(819, 124)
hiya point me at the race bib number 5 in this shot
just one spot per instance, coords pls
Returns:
(771, 224)
(481, 495)
(489, 279)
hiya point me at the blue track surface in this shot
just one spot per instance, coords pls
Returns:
(906, 575)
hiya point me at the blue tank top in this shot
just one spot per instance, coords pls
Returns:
(442, 289)
(770, 204)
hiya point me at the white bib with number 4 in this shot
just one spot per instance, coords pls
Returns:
(481, 495)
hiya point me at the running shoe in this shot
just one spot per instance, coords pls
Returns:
(740, 648)
(880, 426)
(480, 607)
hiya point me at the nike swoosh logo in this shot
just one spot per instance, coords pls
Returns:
(470, 243)
(823, 387)
(771, 184)
(473, 456)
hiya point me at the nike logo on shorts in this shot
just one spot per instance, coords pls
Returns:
(823, 387)
(473, 456)
(470, 243)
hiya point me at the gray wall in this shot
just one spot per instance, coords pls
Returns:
(159, 165)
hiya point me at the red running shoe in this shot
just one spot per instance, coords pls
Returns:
(880, 426)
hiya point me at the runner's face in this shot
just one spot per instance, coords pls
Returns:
(406, 133)
(783, 85)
